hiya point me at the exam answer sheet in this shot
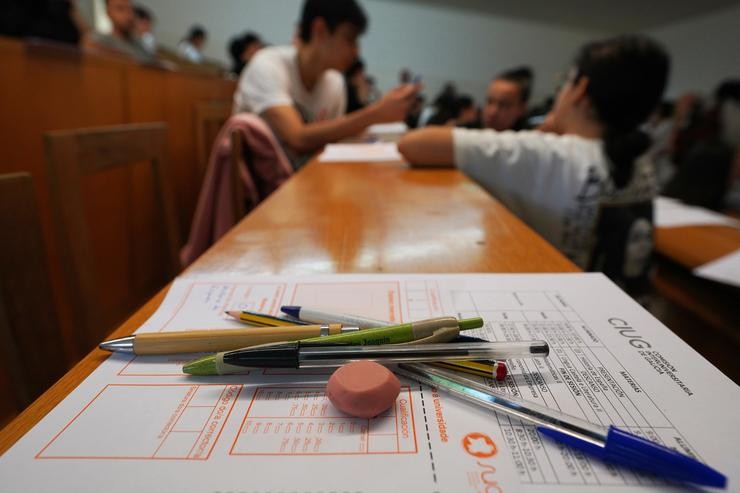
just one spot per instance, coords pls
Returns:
(138, 424)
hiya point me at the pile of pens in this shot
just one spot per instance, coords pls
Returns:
(430, 351)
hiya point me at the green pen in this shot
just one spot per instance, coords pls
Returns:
(393, 334)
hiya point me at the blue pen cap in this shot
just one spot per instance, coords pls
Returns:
(624, 448)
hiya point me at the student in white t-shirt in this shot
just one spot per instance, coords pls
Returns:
(299, 90)
(583, 185)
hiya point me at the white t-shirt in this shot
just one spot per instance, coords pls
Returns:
(554, 183)
(189, 52)
(272, 79)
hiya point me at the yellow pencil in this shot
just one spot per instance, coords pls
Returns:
(261, 319)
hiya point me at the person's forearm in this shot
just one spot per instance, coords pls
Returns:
(431, 146)
(314, 135)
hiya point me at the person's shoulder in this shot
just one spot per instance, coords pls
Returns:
(274, 55)
(334, 76)
(105, 39)
(271, 61)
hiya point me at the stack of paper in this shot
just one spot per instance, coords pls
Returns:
(360, 152)
(671, 213)
(388, 132)
(725, 269)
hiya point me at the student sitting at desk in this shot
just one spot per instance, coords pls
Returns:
(506, 100)
(122, 39)
(582, 186)
(299, 90)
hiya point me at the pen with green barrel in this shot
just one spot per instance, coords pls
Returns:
(417, 332)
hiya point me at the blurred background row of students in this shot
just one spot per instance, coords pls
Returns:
(695, 140)
(132, 33)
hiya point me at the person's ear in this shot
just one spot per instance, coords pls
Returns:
(578, 89)
(319, 29)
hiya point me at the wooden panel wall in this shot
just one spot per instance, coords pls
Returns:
(46, 87)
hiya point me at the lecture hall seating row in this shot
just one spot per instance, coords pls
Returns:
(47, 87)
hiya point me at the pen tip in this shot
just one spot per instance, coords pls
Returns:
(233, 313)
(201, 366)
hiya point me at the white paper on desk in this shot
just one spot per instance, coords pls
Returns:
(395, 128)
(379, 151)
(136, 424)
(671, 213)
(725, 269)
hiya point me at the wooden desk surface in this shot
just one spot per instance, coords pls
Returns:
(692, 246)
(702, 312)
(354, 217)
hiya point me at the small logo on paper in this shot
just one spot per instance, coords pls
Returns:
(479, 445)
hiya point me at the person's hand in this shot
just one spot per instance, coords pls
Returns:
(683, 107)
(395, 104)
(548, 124)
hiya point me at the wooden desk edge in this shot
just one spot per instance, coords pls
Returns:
(30, 416)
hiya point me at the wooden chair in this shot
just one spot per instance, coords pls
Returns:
(116, 253)
(31, 344)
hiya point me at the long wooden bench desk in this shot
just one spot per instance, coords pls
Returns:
(702, 312)
(353, 217)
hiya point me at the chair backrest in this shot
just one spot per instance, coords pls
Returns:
(624, 246)
(31, 344)
(116, 250)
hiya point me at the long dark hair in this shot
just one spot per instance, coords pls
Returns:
(626, 79)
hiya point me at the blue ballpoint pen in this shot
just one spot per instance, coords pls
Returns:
(608, 443)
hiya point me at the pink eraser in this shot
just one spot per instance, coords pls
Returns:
(363, 389)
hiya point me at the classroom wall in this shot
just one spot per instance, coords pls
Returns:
(443, 43)
(704, 51)
(439, 43)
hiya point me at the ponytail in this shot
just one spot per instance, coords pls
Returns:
(622, 149)
(626, 79)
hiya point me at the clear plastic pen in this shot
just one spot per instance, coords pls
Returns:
(316, 355)
(322, 356)
(477, 393)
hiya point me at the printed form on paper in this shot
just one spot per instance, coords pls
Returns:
(138, 424)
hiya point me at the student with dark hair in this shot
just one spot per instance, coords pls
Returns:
(56, 20)
(299, 90)
(357, 87)
(585, 186)
(143, 28)
(507, 98)
(466, 112)
(707, 151)
(122, 39)
(444, 107)
(242, 49)
(191, 48)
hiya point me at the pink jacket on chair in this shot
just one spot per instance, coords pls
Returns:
(262, 168)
